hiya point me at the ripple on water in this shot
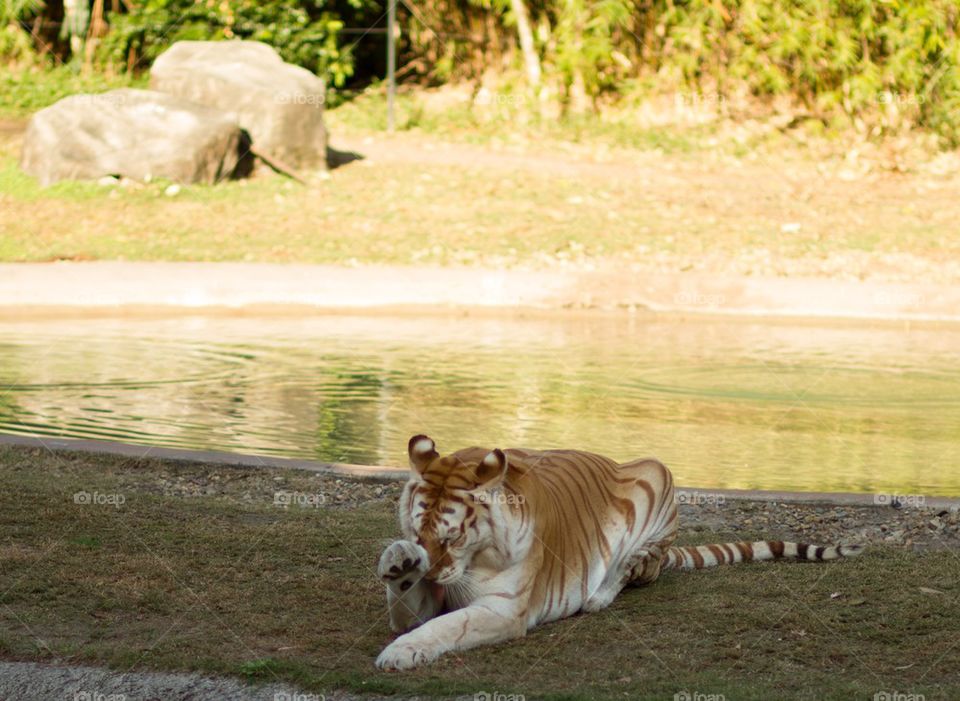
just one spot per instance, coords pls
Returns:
(725, 404)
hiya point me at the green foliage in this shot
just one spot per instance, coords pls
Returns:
(305, 33)
(883, 66)
(585, 40)
(14, 11)
(884, 63)
(15, 44)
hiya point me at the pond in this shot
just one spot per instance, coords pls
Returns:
(724, 403)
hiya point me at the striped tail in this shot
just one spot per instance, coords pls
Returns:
(695, 557)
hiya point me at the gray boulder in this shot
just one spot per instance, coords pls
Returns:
(279, 104)
(136, 134)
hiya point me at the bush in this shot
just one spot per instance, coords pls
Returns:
(15, 44)
(882, 65)
(885, 64)
(302, 32)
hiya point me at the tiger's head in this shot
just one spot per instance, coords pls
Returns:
(446, 505)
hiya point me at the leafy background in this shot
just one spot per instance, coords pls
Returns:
(880, 66)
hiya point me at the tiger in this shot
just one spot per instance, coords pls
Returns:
(496, 542)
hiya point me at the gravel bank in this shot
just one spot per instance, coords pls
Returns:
(31, 681)
(911, 526)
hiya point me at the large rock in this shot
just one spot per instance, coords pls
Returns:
(131, 133)
(279, 104)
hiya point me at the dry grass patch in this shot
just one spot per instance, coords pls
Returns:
(231, 583)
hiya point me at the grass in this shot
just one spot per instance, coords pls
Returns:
(503, 117)
(237, 586)
(28, 89)
(544, 194)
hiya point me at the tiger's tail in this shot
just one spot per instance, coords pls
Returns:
(695, 557)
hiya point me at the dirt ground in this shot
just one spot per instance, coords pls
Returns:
(851, 218)
(412, 198)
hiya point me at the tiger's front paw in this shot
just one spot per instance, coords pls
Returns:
(400, 655)
(402, 564)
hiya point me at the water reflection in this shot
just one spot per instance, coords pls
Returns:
(725, 404)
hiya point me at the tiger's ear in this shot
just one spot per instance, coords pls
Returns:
(491, 470)
(422, 452)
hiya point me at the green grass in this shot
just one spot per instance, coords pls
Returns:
(507, 116)
(235, 585)
(28, 89)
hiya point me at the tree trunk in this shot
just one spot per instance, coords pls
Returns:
(530, 59)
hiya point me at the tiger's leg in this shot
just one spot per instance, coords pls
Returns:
(612, 584)
(641, 567)
(646, 567)
(639, 557)
(410, 602)
(501, 614)
(648, 554)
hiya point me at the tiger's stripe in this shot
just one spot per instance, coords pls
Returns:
(697, 557)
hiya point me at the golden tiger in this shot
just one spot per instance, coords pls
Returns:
(497, 542)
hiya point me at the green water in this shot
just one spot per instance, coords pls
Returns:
(723, 403)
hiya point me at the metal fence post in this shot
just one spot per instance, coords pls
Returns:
(391, 61)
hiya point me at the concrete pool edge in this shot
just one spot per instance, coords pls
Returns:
(191, 288)
(383, 474)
